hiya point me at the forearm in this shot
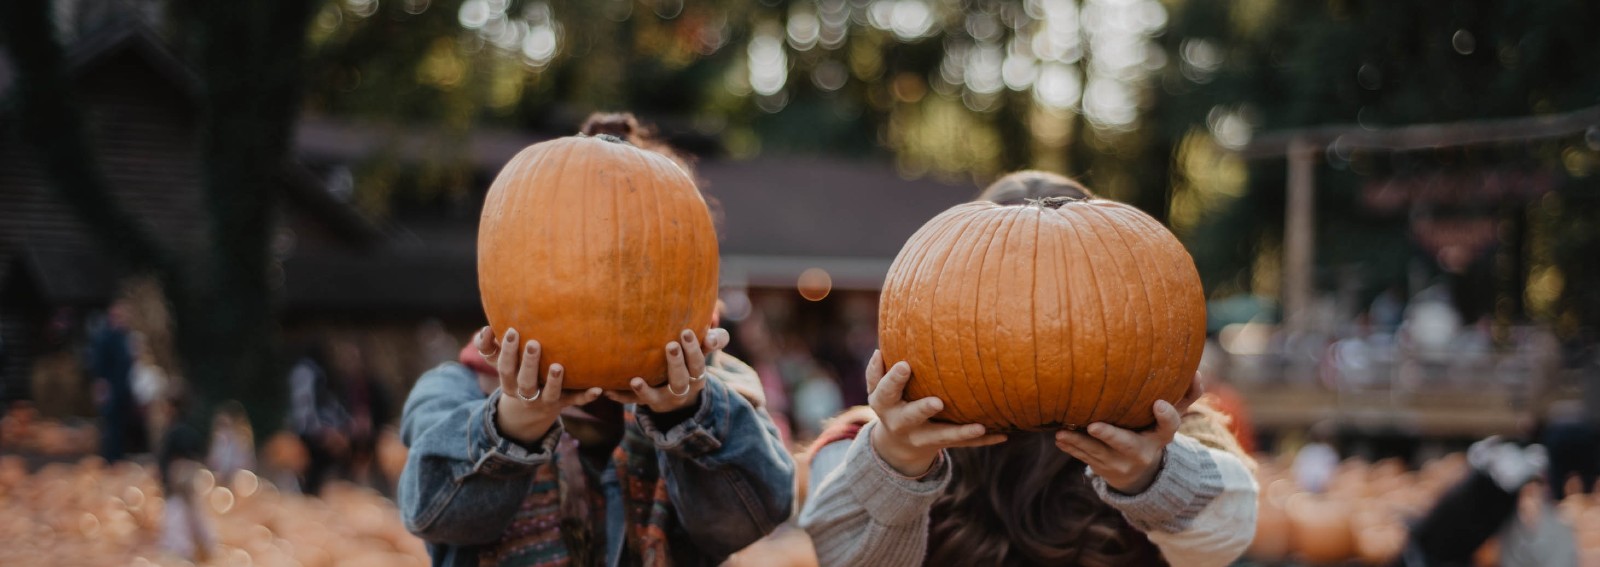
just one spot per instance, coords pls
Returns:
(1201, 509)
(728, 476)
(866, 514)
(463, 481)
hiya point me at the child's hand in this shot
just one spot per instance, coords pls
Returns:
(686, 374)
(904, 437)
(526, 410)
(1127, 461)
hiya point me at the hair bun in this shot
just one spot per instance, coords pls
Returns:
(620, 124)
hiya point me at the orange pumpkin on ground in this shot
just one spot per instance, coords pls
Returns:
(602, 252)
(1059, 312)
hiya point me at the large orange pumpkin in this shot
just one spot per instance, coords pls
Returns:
(601, 251)
(1057, 313)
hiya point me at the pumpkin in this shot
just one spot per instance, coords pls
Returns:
(602, 252)
(1058, 312)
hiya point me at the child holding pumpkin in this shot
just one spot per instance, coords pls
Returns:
(904, 490)
(506, 468)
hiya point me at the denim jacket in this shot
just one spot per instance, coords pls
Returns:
(728, 478)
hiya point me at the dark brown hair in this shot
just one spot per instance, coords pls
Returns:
(1023, 186)
(1024, 502)
(626, 126)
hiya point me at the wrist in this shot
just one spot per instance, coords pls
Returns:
(906, 460)
(1138, 484)
(518, 426)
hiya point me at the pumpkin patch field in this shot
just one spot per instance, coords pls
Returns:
(88, 513)
(1361, 518)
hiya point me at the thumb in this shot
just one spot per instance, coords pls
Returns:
(1167, 421)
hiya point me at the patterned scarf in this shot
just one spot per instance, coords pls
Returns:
(565, 493)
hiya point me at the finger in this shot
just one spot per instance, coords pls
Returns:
(622, 396)
(716, 340)
(486, 345)
(552, 383)
(1167, 422)
(945, 435)
(1193, 394)
(984, 441)
(677, 372)
(645, 394)
(581, 398)
(1077, 453)
(1086, 448)
(506, 366)
(1118, 439)
(693, 357)
(874, 370)
(891, 389)
(913, 414)
(528, 374)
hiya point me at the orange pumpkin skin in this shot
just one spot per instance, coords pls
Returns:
(602, 252)
(1046, 315)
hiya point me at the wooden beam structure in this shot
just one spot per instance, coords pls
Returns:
(1303, 146)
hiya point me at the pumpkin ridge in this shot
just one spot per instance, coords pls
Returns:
(994, 327)
(1141, 352)
(1033, 319)
(660, 244)
(1064, 401)
(1074, 417)
(972, 319)
(1105, 327)
(956, 227)
(1064, 299)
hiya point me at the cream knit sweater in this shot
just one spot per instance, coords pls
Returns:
(1200, 511)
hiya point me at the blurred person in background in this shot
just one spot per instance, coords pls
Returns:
(497, 476)
(1315, 462)
(1502, 496)
(111, 368)
(233, 446)
(317, 416)
(150, 387)
(1045, 498)
(366, 403)
(1573, 441)
(185, 531)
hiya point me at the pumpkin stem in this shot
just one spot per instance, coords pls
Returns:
(1054, 202)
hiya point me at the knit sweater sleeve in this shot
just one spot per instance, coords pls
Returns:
(1201, 509)
(865, 514)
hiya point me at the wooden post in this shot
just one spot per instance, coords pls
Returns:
(1298, 236)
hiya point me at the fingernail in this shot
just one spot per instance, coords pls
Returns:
(1097, 429)
(637, 383)
(511, 336)
(532, 347)
(672, 348)
(902, 367)
(688, 335)
(938, 405)
(1061, 436)
(556, 370)
(974, 429)
(485, 334)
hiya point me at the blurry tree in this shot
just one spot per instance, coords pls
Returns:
(1244, 66)
(953, 88)
(248, 56)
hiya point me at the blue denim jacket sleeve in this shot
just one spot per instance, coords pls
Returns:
(462, 482)
(728, 475)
